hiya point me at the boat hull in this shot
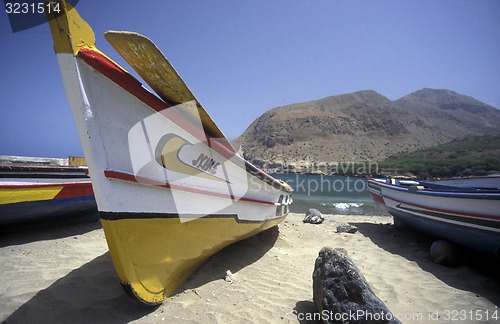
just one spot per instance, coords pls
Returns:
(33, 200)
(468, 218)
(154, 256)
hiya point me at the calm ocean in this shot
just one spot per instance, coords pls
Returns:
(331, 194)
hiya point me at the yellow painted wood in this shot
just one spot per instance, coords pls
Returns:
(170, 160)
(77, 161)
(154, 68)
(11, 196)
(154, 256)
(150, 63)
(69, 31)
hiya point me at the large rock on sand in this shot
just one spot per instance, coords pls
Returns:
(341, 293)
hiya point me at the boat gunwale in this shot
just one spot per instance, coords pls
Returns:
(467, 194)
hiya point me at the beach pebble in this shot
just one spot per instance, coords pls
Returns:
(313, 216)
(229, 277)
(445, 253)
(347, 228)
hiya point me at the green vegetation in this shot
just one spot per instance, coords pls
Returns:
(471, 156)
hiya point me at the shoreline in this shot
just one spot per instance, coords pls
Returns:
(65, 273)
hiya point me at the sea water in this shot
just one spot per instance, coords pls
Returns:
(345, 195)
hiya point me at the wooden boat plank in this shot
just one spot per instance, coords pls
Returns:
(154, 68)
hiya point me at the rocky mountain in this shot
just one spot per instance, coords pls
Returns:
(365, 126)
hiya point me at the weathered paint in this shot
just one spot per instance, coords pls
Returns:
(154, 68)
(23, 194)
(69, 31)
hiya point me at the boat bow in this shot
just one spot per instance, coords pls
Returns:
(170, 189)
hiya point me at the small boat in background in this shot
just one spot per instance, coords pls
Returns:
(43, 199)
(463, 211)
(170, 189)
(38, 167)
(43, 189)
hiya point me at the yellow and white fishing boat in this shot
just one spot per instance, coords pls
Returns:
(170, 189)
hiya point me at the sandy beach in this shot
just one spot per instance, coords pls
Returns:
(63, 273)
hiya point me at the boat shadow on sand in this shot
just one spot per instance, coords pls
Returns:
(92, 293)
(477, 273)
(22, 233)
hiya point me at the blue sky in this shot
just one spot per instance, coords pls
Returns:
(242, 58)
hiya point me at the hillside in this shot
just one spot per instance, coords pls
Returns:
(365, 126)
(471, 156)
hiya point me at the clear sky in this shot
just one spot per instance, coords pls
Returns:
(242, 58)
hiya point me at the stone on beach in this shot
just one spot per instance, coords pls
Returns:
(347, 228)
(229, 277)
(445, 253)
(313, 216)
(340, 290)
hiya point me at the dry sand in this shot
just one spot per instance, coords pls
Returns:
(64, 274)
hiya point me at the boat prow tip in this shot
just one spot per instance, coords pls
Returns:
(69, 31)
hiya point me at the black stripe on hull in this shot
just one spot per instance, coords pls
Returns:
(133, 215)
(15, 171)
(45, 210)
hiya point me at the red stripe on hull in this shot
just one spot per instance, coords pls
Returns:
(445, 211)
(132, 178)
(77, 190)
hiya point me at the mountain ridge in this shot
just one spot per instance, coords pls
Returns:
(365, 126)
